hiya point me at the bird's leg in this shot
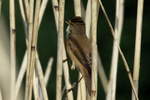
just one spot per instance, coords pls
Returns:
(72, 65)
(65, 60)
(73, 86)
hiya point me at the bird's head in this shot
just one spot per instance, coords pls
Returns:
(76, 26)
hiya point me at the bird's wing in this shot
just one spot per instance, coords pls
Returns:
(76, 51)
(78, 57)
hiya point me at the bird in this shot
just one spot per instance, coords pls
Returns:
(78, 48)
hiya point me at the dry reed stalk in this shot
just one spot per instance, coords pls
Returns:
(111, 95)
(102, 75)
(78, 93)
(100, 68)
(120, 51)
(77, 7)
(35, 87)
(39, 11)
(33, 59)
(137, 55)
(23, 70)
(30, 50)
(1, 95)
(38, 92)
(88, 19)
(65, 65)
(88, 25)
(60, 50)
(94, 48)
(12, 47)
(82, 11)
(81, 94)
(24, 14)
(66, 76)
(41, 79)
(81, 89)
(27, 7)
(0, 7)
(42, 9)
(48, 70)
(33, 36)
(21, 74)
(36, 24)
(22, 10)
(56, 12)
(81, 84)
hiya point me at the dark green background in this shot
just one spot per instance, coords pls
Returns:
(47, 44)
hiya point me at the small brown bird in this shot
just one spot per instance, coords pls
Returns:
(78, 48)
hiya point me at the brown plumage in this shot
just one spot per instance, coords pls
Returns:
(78, 48)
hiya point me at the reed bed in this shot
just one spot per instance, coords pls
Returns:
(32, 12)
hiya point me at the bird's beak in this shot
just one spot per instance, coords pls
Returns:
(67, 22)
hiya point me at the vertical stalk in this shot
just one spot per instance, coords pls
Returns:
(81, 94)
(88, 18)
(102, 75)
(1, 95)
(115, 53)
(22, 10)
(27, 7)
(60, 50)
(56, 12)
(36, 87)
(77, 7)
(41, 82)
(137, 55)
(65, 65)
(0, 7)
(100, 67)
(94, 48)
(120, 51)
(12, 47)
(32, 46)
(81, 85)
(21, 74)
(66, 76)
(30, 49)
(31, 29)
(48, 70)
